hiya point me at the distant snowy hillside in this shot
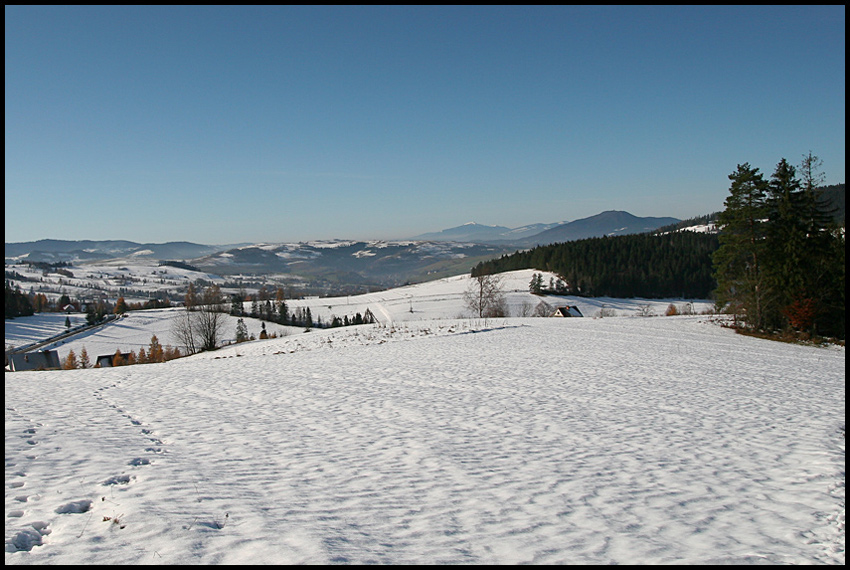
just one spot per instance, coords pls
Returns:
(608, 223)
(52, 250)
(365, 263)
(433, 300)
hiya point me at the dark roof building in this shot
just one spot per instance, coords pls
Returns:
(41, 360)
(567, 311)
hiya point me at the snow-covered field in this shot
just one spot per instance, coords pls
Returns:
(431, 438)
(613, 440)
(435, 300)
(443, 299)
(131, 332)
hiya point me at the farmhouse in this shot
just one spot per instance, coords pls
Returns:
(42, 360)
(567, 311)
(108, 360)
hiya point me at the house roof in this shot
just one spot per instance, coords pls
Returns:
(42, 360)
(567, 311)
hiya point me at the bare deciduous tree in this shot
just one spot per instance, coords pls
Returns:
(200, 326)
(543, 309)
(183, 330)
(484, 296)
(210, 317)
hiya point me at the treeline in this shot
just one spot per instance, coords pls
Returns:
(639, 265)
(178, 264)
(272, 306)
(155, 353)
(780, 266)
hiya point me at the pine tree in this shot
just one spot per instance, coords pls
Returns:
(155, 351)
(171, 353)
(282, 311)
(737, 262)
(785, 244)
(241, 331)
(536, 285)
(824, 253)
(70, 361)
(84, 359)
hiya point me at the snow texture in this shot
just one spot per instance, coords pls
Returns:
(552, 441)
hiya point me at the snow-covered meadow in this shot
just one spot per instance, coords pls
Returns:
(519, 440)
(435, 300)
(129, 333)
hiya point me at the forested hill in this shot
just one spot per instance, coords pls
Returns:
(642, 265)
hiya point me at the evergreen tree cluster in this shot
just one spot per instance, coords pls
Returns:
(17, 303)
(357, 319)
(276, 310)
(639, 265)
(781, 260)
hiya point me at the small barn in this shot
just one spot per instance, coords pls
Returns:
(108, 360)
(567, 311)
(41, 360)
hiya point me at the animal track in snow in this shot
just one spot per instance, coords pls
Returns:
(119, 480)
(81, 506)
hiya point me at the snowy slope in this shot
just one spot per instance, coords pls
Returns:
(40, 326)
(443, 299)
(131, 332)
(440, 299)
(614, 440)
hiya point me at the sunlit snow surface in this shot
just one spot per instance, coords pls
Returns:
(614, 440)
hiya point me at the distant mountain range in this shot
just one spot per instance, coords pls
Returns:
(326, 266)
(56, 250)
(479, 233)
(380, 263)
(607, 223)
(362, 263)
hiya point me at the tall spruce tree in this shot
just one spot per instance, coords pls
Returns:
(738, 260)
(824, 255)
(785, 262)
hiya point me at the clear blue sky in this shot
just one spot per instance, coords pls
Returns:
(228, 124)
